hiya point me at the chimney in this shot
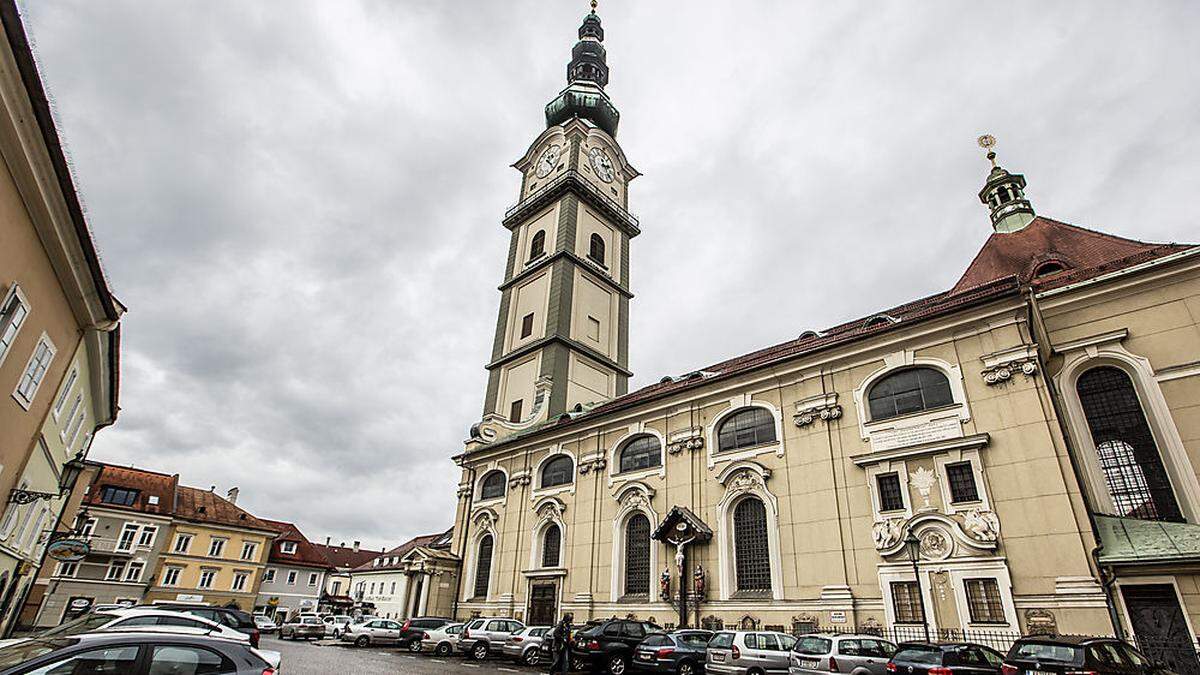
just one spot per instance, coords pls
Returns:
(327, 540)
(342, 545)
(356, 544)
(232, 495)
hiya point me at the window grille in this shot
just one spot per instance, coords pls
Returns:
(890, 496)
(751, 555)
(1133, 468)
(493, 486)
(746, 428)
(637, 555)
(483, 566)
(906, 602)
(962, 483)
(909, 391)
(983, 601)
(643, 452)
(558, 471)
(551, 546)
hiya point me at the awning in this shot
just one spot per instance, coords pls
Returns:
(1131, 541)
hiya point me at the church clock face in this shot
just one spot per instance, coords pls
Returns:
(548, 159)
(601, 164)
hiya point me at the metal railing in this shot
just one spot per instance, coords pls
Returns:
(592, 192)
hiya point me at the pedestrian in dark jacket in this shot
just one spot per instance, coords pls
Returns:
(560, 645)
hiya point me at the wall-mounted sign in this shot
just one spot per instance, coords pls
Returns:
(837, 616)
(77, 607)
(68, 550)
(187, 597)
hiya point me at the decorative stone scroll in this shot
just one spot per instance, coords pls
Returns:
(822, 406)
(520, 480)
(1000, 367)
(594, 463)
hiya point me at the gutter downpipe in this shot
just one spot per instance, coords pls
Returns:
(1042, 339)
(462, 544)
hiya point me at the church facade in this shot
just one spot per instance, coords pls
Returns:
(1015, 454)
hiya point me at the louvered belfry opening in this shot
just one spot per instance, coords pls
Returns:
(751, 553)
(637, 556)
(1129, 457)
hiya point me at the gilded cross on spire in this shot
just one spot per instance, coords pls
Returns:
(987, 142)
(593, 6)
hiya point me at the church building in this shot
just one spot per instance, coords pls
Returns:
(1015, 454)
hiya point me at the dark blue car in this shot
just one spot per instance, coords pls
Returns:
(678, 653)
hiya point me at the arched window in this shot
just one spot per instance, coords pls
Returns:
(551, 546)
(1048, 268)
(750, 553)
(537, 245)
(643, 452)
(746, 428)
(908, 391)
(483, 566)
(493, 485)
(1133, 468)
(637, 555)
(596, 248)
(558, 471)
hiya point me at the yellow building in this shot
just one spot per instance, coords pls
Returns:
(216, 552)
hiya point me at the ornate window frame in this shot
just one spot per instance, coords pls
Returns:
(614, 455)
(537, 492)
(1108, 350)
(957, 572)
(484, 473)
(549, 511)
(736, 404)
(632, 498)
(903, 360)
(484, 521)
(743, 479)
(900, 468)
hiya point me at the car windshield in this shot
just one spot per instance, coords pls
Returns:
(810, 644)
(31, 649)
(926, 655)
(721, 641)
(311, 620)
(1037, 651)
(694, 639)
(83, 624)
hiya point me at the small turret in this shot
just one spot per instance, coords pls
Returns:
(587, 75)
(1004, 194)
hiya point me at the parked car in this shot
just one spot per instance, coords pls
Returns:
(302, 628)
(138, 619)
(413, 630)
(1102, 656)
(265, 623)
(820, 653)
(740, 652)
(442, 641)
(680, 652)
(234, 618)
(136, 653)
(379, 631)
(486, 635)
(365, 618)
(336, 623)
(526, 645)
(609, 644)
(947, 658)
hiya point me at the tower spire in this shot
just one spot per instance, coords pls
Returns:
(587, 75)
(1004, 193)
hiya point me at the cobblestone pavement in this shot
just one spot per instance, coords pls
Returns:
(330, 658)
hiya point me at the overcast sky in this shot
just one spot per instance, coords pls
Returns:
(300, 202)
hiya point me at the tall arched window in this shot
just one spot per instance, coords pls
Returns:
(596, 248)
(637, 555)
(493, 485)
(643, 452)
(558, 471)
(908, 391)
(1133, 468)
(750, 551)
(746, 428)
(483, 566)
(551, 546)
(537, 245)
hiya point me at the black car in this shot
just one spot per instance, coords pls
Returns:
(132, 653)
(678, 653)
(949, 658)
(609, 644)
(414, 630)
(236, 619)
(1099, 655)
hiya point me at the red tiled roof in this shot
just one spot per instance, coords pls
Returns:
(345, 557)
(1044, 240)
(307, 554)
(151, 486)
(397, 553)
(205, 506)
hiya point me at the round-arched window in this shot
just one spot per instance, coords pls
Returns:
(537, 245)
(493, 485)
(643, 452)
(551, 545)
(752, 558)
(637, 555)
(596, 248)
(483, 566)
(746, 428)
(909, 391)
(558, 471)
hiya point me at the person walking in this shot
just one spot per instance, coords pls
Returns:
(560, 645)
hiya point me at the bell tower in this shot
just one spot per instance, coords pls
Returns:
(562, 335)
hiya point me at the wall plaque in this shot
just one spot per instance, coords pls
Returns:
(903, 437)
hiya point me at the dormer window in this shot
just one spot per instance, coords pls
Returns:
(118, 496)
(1048, 268)
(287, 547)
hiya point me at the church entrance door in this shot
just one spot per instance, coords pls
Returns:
(543, 603)
(1160, 627)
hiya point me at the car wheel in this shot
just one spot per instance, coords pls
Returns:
(336, 633)
(479, 652)
(414, 646)
(578, 665)
(687, 668)
(444, 649)
(616, 665)
(362, 641)
(531, 657)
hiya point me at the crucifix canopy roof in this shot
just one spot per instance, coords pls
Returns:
(681, 523)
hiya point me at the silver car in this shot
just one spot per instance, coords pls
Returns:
(441, 641)
(487, 635)
(525, 645)
(822, 653)
(376, 632)
(743, 651)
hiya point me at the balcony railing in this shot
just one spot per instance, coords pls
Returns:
(591, 192)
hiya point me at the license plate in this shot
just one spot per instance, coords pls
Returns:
(718, 657)
(643, 656)
(809, 663)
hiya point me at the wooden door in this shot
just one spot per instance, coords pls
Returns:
(543, 603)
(1159, 625)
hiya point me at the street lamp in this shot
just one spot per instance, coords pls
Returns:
(912, 545)
(70, 473)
